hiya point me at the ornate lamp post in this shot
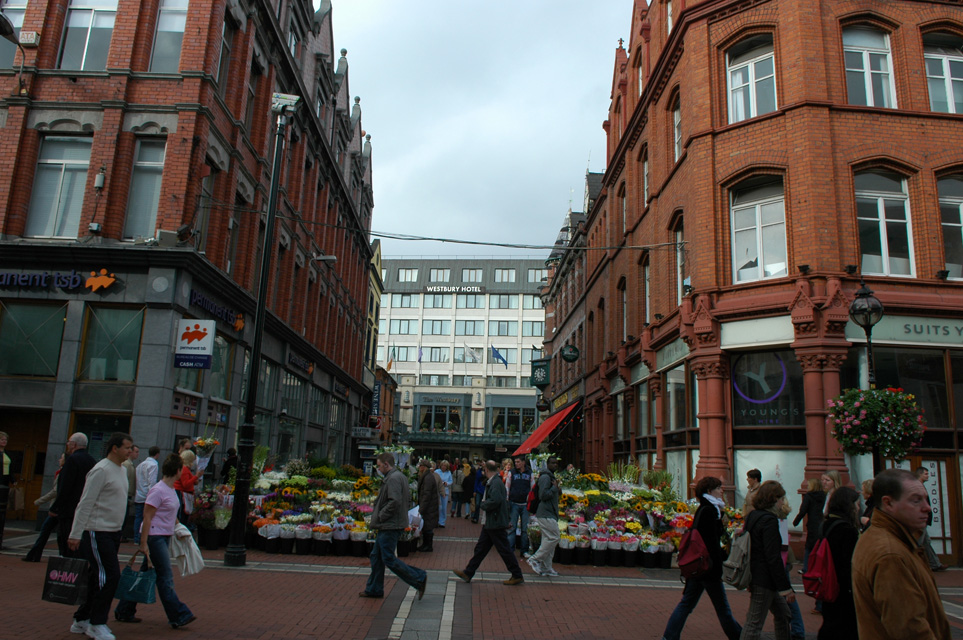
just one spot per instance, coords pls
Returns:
(235, 555)
(866, 311)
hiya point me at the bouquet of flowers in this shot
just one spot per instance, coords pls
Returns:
(887, 418)
(205, 446)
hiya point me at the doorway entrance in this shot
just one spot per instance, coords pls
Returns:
(27, 447)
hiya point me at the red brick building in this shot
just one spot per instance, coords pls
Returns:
(763, 157)
(139, 139)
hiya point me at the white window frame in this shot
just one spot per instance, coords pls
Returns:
(866, 53)
(881, 223)
(144, 173)
(439, 275)
(436, 327)
(765, 51)
(952, 228)
(504, 275)
(66, 213)
(471, 275)
(646, 274)
(97, 11)
(462, 299)
(437, 301)
(402, 327)
(172, 13)
(536, 275)
(645, 178)
(529, 329)
(679, 235)
(946, 61)
(510, 328)
(407, 275)
(532, 301)
(405, 300)
(758, 229)
(495, 300)
(668, 17)
(677, 128)
(477, 327)
(437, 354)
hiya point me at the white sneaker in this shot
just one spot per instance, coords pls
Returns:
(99, 632)
(534, 564)
(80, 626)
(551, 573)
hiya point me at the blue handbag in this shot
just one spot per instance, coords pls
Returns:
(137, 586)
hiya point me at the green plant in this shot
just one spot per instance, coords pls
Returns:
(622, 472)
(323, 473)
(887, 418)
(349, 472)
(658, 479)
(297, 467)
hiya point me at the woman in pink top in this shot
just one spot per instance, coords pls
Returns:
(160, 518)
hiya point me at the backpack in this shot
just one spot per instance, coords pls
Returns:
(533, 500)
(694, 561)
(735, 570)
(820, 581)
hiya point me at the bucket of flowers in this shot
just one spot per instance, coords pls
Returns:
(888, 419)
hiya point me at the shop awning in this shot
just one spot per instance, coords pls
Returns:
(543, 430)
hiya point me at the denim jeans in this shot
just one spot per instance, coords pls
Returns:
(762, 601)
(797, 630)
(456, 503)
(160, 558)
(138, 520)
(383, 556)
(519, 511)
(690, 598)
(442, 510)
(99, 548)
(36, 551)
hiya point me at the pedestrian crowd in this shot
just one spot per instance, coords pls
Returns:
(882, 560)
(96, 505)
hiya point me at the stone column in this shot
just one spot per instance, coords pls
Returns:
(821, 382)
(713, 460)
(655, 387)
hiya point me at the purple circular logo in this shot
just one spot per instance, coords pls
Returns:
(761, 377)
(54, 575)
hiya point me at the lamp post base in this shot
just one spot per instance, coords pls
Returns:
(235, 556)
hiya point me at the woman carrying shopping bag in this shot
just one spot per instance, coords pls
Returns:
(160, 518)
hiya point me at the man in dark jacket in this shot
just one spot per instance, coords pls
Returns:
(70, 486)
(389, 518)
(495, 529)
(428, 503)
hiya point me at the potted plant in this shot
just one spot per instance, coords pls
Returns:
(887, 422)
(204, 519)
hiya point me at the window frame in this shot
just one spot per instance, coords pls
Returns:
(881, 220)
(75, 7)
(867, 72)
(60, 214)
(174, 10)
(945, 60)
(752, 83)
(505, 275)
(955, 270)
(439, 275)
(145, 169)
(758, 228)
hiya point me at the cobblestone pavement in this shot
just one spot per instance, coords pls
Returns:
(293, 597)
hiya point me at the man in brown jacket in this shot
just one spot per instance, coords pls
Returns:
(894, 590)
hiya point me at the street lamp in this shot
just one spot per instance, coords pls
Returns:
(866, 310)
(282, 105)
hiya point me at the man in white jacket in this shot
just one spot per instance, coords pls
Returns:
(147, 476)
(96, 531)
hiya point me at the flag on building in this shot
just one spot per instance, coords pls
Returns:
(473, 356)
(419, 353)
(496, 356)
(391, 359)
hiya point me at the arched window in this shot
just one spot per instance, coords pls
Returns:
(757, 208)
(751, 77)
(883, 217)
(677, 127)
(869, 64)
(951, 212)
(943, 54)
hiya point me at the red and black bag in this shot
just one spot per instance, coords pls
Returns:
(820, 580)
(694, 560)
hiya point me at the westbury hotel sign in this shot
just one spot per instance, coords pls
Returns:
(195, 344)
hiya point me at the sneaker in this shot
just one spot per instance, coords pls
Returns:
(534, 564)
(551, 573)
(79, 626)
(461, 574)
(99, 632)
(511, 582)
(526, 555)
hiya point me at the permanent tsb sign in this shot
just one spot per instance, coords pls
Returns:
(66, 280)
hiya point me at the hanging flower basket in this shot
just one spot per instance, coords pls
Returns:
(889, 418)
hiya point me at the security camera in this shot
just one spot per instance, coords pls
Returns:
(284, 412)
(284, 103)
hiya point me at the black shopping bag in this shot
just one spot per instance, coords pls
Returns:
(66, 580)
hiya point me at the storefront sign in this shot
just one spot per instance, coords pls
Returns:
(298, 362)
(340, 389)
(195, 344)
(560, 401)
(569, 353)
(376, 399)
(767, 389)
(917, 329)
(363, 432)
(442, 400)
(671, 353)
(59, 280)
(462, 289)
(230, 316)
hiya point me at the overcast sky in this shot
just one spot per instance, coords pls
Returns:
(483, 115)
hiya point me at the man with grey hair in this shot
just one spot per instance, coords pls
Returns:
(70, 486)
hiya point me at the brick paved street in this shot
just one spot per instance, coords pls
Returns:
(293, 597)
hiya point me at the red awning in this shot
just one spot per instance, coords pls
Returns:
(543, 430)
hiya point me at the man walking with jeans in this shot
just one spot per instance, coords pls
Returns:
(519, 485)
(390, 518)
(547, 517)
(96, 531)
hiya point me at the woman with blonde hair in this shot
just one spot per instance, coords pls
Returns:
(870, 504)
(184, 486)
(830, 481)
